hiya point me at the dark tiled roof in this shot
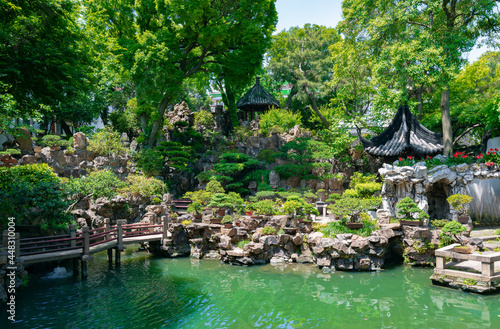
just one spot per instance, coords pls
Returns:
(257, 98)
(404, 133)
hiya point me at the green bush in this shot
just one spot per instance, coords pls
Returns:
(107, 142)
(264, 187)
(144, 186)
(149, 161)
(334, 228)
(32, 194)
(266, 155)
(278, 120)
(53, 141)
(261, 195)
(100, 183)
(450, 233)
(10, 152)
(439, 222)
(352, 207)
(268, 230)
(459, 202)
(407, 209)
(177, 155)
(204, 118)
(243, 243)
(266, 207)
(227, 220)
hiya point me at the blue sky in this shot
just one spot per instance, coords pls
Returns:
(322, 12)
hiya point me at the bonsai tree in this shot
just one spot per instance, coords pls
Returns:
(232, 200)
(408, 209)
(308, 209)
(266, 207)
(450, 233)
(227, 220)
(195, 207)
(349, 208)
(459, 202)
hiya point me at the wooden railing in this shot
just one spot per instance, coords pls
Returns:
(86, 238)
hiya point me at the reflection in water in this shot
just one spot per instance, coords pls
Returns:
(150, 292)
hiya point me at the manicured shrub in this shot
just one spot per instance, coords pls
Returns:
(268, 230)
(53, 141)
(97, 184)
(149, 161)
(144, 186)
(278, 120)
(32, 194)
(204, 118)
(243, 243)
(408, 209)
(10, 152)
(107, 142)
(459, 202)
(227, 220)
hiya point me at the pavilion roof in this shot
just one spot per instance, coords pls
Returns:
(404, 134)
(257, 98)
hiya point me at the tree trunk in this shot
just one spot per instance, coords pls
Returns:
(231, 106)
(66, 128)
(445, 117)
(293, 92)
(315, 106)
(158, 123)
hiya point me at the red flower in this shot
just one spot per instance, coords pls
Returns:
(400, 159)
(488, 153)
(496, 150)
(490, 163)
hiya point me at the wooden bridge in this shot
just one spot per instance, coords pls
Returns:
(80, 246)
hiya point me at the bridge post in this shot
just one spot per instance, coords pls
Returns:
(119, 236)
(86, 250)
(107, 227)
(72, 234)
(164, 220)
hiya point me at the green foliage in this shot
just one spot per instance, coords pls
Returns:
(177, 155)
(214, 187)
(200, 196)
(195, 207)
(268, 230)
(289, 170)
(204, 118)
(149, 161)
(334, 228)
(439, 222)
(53, 141)
(301, 56)
(186, 222)
(492, 155)
(10, 152)
(407, 209)
(261, 195)
(459, 202)
(450, 232)
(107, 142)
(227, 220)
(365, 185)
(278, 120)
(32, 194)
(100, 183)
(205, 176)
(237, 166)
(144, 186)
(264, 187)
(231, 200)
(266, 155)
(266, 207)
(243, 243)
(349, 207)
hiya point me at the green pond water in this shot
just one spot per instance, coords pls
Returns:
(149, 292)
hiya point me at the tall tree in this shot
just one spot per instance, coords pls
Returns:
(44, 53)
(421, 42)
(166, 42)
(301, 56)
